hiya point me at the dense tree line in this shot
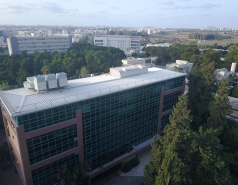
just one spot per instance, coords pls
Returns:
(191, 53)
(200, 144)
(81, 59)
(174, 52)
(201, 36)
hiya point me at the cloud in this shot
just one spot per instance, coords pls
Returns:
(115, 8)
(171, 5)
(167, 3)
(12, 8)
(207, 6)
(48, 7)
(99, 2)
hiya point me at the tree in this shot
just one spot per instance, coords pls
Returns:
(76, 176)
(151, 169)
(201, 90)
(212, 56)
(220, 107)
(64, 175)
(235, 91)
(209, 167)
(172, 157)
(84, 71)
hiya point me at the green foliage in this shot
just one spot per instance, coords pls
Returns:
(127, 166)
(186, 157)
(170, 160)
(173, 52)
(201, 90)
(106, 176)
(4, 153)
(151, 169)
(80, 59)
(232, 56)
(212, 56)
(201, 36)
(210, 167)
(234, 167)
(128, 149)
(220, 107)
(235, 91)
(229, 137)
(74, 176)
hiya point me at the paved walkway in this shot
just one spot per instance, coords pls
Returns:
(134, 176)
(9, 177)
(3, 137)
(144, 158)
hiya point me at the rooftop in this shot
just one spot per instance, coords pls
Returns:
(21, 101)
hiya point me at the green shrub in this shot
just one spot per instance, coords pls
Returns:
(134, 162)
(126, 167)
(234, 167)
(130, 164)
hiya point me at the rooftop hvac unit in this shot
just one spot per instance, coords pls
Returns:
(40, 83)
(51, 81)
(62, 79)
(29, 84)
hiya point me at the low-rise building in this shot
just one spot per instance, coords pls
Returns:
(86, 120)
(183, 65)
(30, 45)
(123, 42)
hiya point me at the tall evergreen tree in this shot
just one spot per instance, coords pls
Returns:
(220, 107)
(208, 166)
(173, 156)
(201, 90)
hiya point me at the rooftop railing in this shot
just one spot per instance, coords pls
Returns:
(81, 96)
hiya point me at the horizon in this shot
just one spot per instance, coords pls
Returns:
(156, 13)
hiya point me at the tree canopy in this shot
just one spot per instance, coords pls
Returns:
(80, 59)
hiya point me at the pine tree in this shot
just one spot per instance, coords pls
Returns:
(235, 91)
(151, 169)
(201, 90)
(172, 157)
(220, 107)
(208, 166)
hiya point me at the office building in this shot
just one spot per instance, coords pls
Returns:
(123, 42)
(86, 119)
(30, 45)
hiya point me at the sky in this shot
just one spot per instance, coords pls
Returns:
(123, 13)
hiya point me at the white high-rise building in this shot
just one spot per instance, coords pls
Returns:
(122, 42)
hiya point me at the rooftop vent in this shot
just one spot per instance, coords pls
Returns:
(39, 83)
(51, 81)
(62, 79)
(44, 82)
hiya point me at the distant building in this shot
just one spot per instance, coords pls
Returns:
(3, 43)
(133, 61)
(139, 61)
(149, 31)
(123, 42)
(158, 45)
(181, 64)
(224, 73)
(30, 45)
